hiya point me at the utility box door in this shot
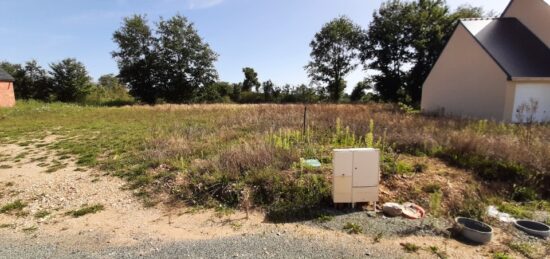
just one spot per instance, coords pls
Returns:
(343, 163)
(365, 168)
(342, 191)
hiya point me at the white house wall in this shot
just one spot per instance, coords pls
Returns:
(525, 95)
(465, 81)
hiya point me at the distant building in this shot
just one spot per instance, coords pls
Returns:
(496, 68)
(7, 96)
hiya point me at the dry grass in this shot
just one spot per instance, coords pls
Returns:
(208, 154)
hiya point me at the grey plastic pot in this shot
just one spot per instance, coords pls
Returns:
(533, 228)
(473, 230)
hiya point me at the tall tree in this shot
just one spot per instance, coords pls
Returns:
(136, 59)
(403, 43)
(70, 80)
(31, 80)
(431, 24)
(237, 91)
(387, 48)
(37, 82)
(268, 88)
(250, 80)
(185, 61)
(334, 54)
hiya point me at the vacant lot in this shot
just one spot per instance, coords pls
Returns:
(248, 157)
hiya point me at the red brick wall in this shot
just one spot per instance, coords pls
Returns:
(7, 97)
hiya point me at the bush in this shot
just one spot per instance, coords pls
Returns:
(435, 203)
(470, 208)
(524, 194)
(353, 228)
(17, 205)
(515, 210)
(300, 198)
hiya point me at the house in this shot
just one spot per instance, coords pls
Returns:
(495, 68)
(7, 96)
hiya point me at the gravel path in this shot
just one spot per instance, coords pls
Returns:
(271, 245)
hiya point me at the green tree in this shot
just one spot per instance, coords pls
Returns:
(359, 92)
(431, 24)
(136, 58)
(387, 48)
(237, 90)
(31, 80)
(185, 62)
(216, 92)
(70, 80)
(37, 82)
(109, 91)
(334, 54)
(403, 43)
(268, 88)
(250, 80)
(305, 94)
(109, 81)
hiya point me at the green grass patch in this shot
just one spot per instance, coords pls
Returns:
(30, 229)
(502, 255)
(526, 249)
(42, 214)
(17, 205)
(436, 199)
(353, 228)
(516, 210)
(410, 247)
(85, 210)
(7, 225)
(56, 166)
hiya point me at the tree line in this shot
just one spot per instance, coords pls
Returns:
(171, 63)
(65, 81)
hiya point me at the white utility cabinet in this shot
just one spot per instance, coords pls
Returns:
(356, 175)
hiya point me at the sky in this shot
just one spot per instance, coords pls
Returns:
(272, 36)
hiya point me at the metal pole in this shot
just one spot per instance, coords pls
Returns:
(305, 119)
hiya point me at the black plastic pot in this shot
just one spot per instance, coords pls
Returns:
(533, 228)
(475, 231)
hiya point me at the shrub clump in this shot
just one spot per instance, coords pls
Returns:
(17, 205)
(353, 228)
(86, 210)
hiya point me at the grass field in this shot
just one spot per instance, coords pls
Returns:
(230, 156)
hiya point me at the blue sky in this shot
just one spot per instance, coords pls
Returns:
(271, 36)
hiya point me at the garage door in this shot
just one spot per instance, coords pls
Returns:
(532, 102)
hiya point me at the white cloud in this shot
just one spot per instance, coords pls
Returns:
(202, 4)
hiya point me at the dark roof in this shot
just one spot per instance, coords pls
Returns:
(517, 50)
(4, 76)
